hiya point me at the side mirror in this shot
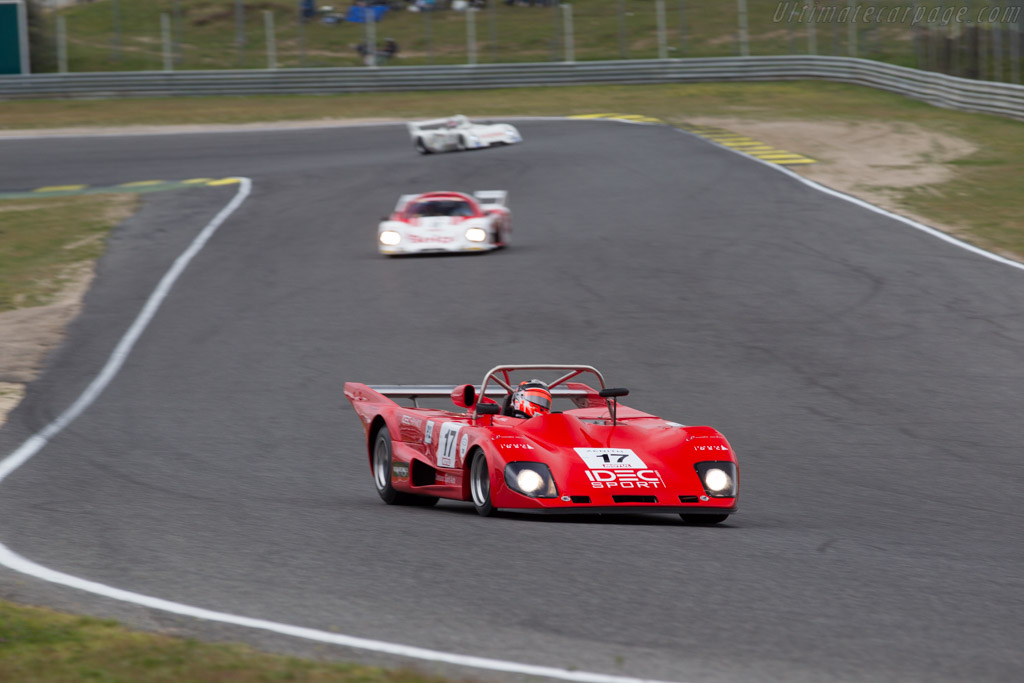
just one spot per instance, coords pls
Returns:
(488, 409)
(464, 396)
(613, 392)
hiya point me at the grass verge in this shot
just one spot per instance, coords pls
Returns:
(45, 242)
(39, 645)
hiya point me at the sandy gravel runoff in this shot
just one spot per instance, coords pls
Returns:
(870, 160)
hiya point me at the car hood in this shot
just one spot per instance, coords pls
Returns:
(566, 437)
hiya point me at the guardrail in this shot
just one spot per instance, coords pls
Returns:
(1004, 99)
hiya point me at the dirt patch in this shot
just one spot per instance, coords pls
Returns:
(870, 160)
(27, 335)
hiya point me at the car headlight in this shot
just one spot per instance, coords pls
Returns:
(718, 478)
(476, 234)
(390, 238)
(531, 479)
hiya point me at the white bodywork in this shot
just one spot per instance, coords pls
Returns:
(459, 133)
(403, 234)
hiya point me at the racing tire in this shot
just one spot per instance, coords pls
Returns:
(382, 475)
(421, 146)
(703, 520)
(461, 144)
(480, 485)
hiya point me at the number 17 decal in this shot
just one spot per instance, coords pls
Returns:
(611, 458)
(447, 444)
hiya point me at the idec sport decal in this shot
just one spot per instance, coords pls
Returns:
(625, 479)
(619, 468)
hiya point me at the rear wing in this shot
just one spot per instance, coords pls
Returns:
(581, 394)
(490, 198)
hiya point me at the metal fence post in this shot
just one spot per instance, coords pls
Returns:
(744, 40)
(115, 25)
(492, 12)
(623, 46)
(268, 28)
(470, 36)
(240, 30)
(570, 39)
(177, 31)
(62, 44)
(659, 14)
(1015, 53)
(165, 38)
(428, 31)
(812, 36)
(370, 21)
(682, 28)
(997, 51)
(851, 30)
(301, 31)
(915, 36)
(557, 14)
(982, 53)
(790, 47)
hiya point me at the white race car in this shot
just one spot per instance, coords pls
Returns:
(446, 221)
(459, 133)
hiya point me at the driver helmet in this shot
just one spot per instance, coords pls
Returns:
(532, 398)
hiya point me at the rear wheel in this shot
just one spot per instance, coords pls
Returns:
(461, 144)
(382, 470)
(480, 485)
(703, 520)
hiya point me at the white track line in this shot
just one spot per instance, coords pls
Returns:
(945, 237)
(35, 443)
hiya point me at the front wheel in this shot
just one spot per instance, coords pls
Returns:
(703, 520)
(382, 472)
(480, 485)
(421, 146)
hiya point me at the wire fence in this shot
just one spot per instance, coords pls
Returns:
(972, 38)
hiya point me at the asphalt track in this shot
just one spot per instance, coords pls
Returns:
(868, 375)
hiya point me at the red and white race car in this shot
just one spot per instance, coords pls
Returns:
(594, 457)
(446, 221)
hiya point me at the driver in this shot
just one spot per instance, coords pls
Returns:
(531, 398)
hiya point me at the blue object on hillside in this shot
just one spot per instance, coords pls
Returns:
(357, 15)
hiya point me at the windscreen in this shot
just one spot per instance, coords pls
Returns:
(440, 207)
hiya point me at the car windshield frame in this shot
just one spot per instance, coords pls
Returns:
(454, 205)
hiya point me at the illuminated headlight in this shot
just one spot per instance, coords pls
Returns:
(476, 234)
(529, 482)
(390, 238)
(718, 478)
(531, 479)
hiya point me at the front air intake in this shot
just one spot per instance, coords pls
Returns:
(581, 499)
(635, 499)
(689, 499)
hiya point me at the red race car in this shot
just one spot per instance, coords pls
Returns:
(595, 456)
